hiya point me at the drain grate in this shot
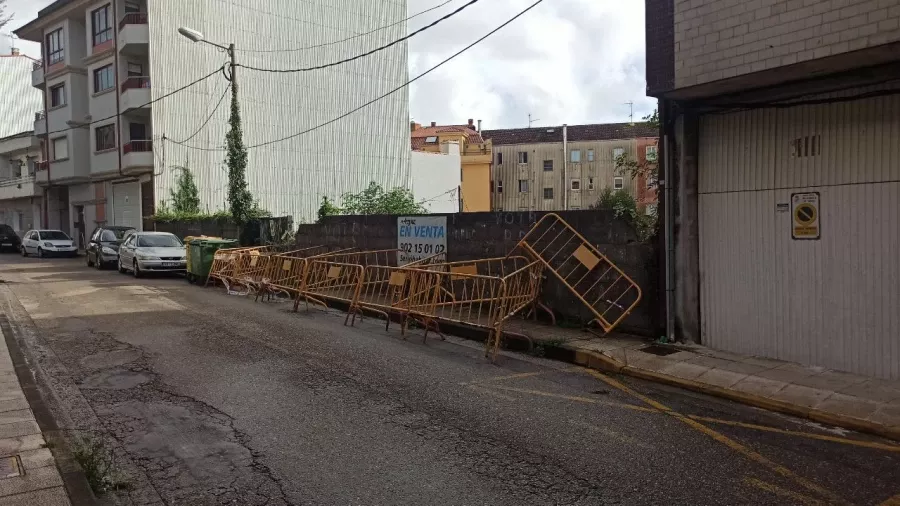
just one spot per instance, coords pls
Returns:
(656, 349)
(10, 467)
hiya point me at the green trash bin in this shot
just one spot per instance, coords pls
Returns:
(202, 252)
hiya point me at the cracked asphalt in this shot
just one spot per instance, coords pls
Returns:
(212, 399)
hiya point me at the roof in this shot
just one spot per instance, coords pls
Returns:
(420, 134)
(46, 11)
(575, 133)
(18, 99)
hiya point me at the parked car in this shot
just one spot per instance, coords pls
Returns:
(9, 239)
(142, 252)
(103, 248)
(45, 243)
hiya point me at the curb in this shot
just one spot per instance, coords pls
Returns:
(598, 361)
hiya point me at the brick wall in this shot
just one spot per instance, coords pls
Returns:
(718, 39)
(485, 235)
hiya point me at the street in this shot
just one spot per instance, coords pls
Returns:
(209, 398)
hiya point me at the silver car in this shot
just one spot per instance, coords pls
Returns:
(143, 252)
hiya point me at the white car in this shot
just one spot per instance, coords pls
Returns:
(44, 243)
(142, 252)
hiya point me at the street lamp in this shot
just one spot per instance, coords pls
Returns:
(195, 36)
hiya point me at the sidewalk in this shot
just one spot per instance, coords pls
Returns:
(28, 473)
(835, 398)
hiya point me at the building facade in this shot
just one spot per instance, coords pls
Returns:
(781, 123)
(20, 151)
(123, 117)
(566, 167)
(475, 155)
(437, 178)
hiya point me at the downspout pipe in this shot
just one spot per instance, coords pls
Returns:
(565, 187)
(119, 143)
(46, 220)
(668, 180)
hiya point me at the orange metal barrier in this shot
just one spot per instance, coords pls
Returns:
(225, 262)
(607, 291)
(388, 291)
(331, 281)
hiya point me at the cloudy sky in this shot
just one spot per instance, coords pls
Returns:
(566, 61)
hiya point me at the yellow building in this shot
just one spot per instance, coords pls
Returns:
(475, 154)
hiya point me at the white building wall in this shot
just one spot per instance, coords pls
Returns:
(436, 180)
(830, 302)
(289, 177)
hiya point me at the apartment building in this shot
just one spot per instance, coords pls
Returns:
(20, 151)
(475, 157)
(566, 167)
(117, 132)
(782, 192)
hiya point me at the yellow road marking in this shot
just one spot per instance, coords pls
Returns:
(893, 501)
(489, 391)
(725, 440)
(519, 376)
(823, 437)
(774, 489)
(586, 400)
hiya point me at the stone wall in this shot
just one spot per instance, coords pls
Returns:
(483, 235)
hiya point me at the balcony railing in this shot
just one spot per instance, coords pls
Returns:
(134, 83)
(39, 166)
(38, 65)
(39, 116)
(18, 181)
(133, 18)
(142, 146)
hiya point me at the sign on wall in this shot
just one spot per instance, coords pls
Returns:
(420, 237)
(805, 215)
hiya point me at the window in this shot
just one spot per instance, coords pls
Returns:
(618, 152)
(53, 235)
(106, 137)
(590, 155)
(618, 183)
(58, 95)
(650, 210)
(574, 208)
(100, 25)
(60, 148)
(431, 140)
(652, 181)
(55, 51)
(523, 186)
(499, 158)
(576, 156)
(576, 184)
(548, 193)
(103, 78)
(499, 186)
(132, 6)
(523, 156)
(590, 184)
(548, 165)
(135, 70)
(651, 153)
(158, 241)
(811, 145)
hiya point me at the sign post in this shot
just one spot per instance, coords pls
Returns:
(805, 216)
(420, 237)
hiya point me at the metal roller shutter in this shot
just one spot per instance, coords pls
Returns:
(126, 204)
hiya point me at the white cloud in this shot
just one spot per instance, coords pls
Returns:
(566, 61)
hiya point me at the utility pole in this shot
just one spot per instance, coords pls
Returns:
(231, 53)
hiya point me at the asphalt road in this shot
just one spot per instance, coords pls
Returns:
(210, 398)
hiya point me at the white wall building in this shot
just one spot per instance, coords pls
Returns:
(436, 178)
(20, 153)
(114, 159)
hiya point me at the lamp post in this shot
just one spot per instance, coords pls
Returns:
(195, 36)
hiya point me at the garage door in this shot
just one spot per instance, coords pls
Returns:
(127, 204)
(799, 218)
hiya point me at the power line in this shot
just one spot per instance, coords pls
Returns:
(207, 76)
(348, 38)
(402, 86)
(367, 53)
(213, 113)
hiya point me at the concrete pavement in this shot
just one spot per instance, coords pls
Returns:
(211, 399)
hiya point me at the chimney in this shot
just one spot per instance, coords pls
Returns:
(434, 123)
(14, 51)
(471, 122)
(413, 126)
(479, 126)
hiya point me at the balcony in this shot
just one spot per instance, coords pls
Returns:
(40, 173)
(136, 94)
(37, 74)
(40, 124)
(17, 188)
(137, 156)
(134, 33)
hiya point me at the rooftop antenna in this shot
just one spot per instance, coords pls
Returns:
(631, 113)
(530, 121)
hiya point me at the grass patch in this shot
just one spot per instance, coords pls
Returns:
(99, 467)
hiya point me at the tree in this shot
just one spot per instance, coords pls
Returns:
(240, 200)
(374, 200)
(647, 170)
(4, 19)
(624, 206)
(327, 209)
(185, 196)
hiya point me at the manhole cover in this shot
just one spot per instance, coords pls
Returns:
(659, 350)
(10, 467)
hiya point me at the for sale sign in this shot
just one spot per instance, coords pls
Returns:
(420, 237)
